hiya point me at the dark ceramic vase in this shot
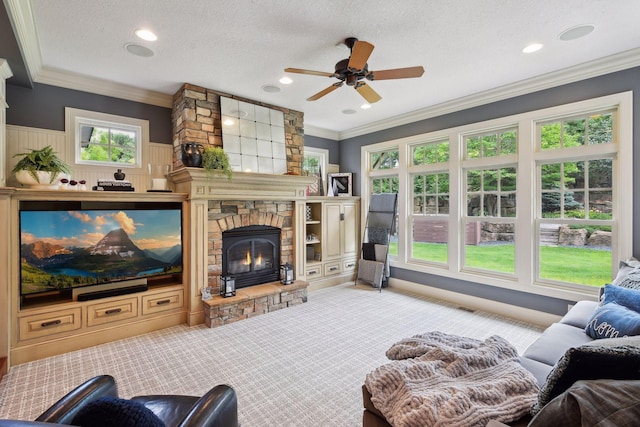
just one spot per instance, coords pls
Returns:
(118, 175)
(192, 154)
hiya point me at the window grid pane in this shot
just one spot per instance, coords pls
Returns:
(430, 153)
(500, 143)
(385, 160)
(577, 131)
(108, 144)
(491, 192)
(431, 194)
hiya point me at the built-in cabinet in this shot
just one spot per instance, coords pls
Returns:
(58, 328)
(332, 227)
(53, 324)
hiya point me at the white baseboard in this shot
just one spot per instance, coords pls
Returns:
(475, 303)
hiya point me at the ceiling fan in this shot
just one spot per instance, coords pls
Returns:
(354, 70)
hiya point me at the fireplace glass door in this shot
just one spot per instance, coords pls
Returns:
(251, 255)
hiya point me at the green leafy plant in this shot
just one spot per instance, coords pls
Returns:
(216, 161)
(45, 160)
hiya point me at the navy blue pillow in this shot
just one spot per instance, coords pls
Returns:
(629, 298)
(613, 321)
(115, 412)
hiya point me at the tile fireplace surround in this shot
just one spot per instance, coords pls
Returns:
(215, 205)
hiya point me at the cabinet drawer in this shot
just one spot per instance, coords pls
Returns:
(41, 325)
(332, 268)
(162, 302)
(313, 272)
(112, 311)
(349, 265)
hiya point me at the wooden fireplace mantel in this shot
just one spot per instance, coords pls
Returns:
(247, 185)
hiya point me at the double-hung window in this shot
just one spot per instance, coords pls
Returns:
(539, 201)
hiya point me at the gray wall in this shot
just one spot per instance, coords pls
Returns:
(627, 80)
(329, 144)
(43, 107)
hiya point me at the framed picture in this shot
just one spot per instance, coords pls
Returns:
(339, 184)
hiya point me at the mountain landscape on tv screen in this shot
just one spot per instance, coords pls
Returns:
(48, 267)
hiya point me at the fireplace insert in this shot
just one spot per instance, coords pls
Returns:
(251, 255)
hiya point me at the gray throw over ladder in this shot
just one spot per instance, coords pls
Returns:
(373, 267)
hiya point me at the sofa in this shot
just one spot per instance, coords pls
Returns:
(564, 358)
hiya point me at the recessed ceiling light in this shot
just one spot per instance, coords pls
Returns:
(147, 35)
(138, 50)
(576, 32)
(228, 122)
(349, 111)
(286, 80)
(271, 88)
(533, 47)
(365, 106)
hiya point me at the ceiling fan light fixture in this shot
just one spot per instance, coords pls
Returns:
(145, 34)
(286, 80)
(533, 47)
(365, 106)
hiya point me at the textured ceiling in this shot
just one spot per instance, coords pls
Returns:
(465, 46)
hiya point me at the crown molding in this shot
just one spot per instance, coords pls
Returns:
(598, 67)
(321, 132)
(24, 27)
(85, 83)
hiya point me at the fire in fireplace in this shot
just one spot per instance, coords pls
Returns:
(251, 254)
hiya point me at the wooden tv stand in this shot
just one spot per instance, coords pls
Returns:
(43, 327)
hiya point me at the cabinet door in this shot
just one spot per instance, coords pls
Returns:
(332, 230)
(351, 229)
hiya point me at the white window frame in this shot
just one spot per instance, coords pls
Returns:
(75, 118)
(323, 155)
(525, 162)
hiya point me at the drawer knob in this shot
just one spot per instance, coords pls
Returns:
(163, 302)
(312, 272)
(113, 311)
(51, 323)
(350, 265)
(333, 268)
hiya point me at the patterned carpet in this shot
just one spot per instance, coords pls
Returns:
(302, 366)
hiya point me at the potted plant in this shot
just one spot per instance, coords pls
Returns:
(40, 168)
(216, 161)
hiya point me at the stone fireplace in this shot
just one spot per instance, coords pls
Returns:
(249, 201)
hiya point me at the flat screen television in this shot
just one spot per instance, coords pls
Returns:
(67, 245)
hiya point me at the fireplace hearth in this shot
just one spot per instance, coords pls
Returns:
(251, 254)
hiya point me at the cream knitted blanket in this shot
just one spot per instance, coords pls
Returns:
(438, 379)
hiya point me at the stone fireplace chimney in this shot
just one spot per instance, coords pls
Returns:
(196, 118)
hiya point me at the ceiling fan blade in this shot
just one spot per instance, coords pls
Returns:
(368, 93)
(359, 55)
(325, 91)
(396, 73)
(311, 72)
